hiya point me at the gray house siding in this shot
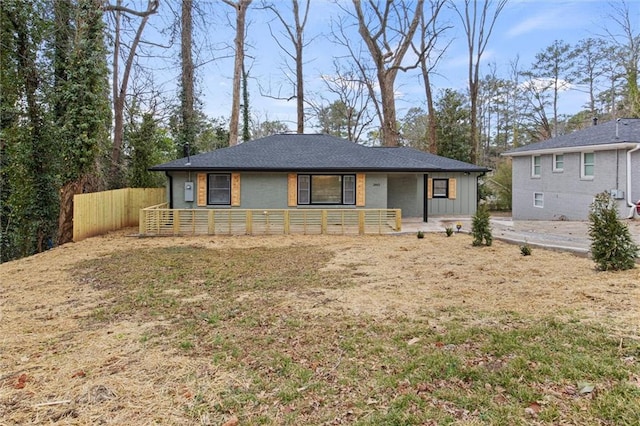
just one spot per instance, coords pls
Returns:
(565, 195)
(403, 194)
(405, 191)
(466, 200)
(263, 190)
(376, 191)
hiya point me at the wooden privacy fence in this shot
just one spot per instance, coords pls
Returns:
(158, 220)
(99, 212)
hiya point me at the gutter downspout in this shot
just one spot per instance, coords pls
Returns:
(630, 203)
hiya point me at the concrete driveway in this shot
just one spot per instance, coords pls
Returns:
(561, 235)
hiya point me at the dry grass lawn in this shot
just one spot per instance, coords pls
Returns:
(74, 350)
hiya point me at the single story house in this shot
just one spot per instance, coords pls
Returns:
(306, 171)
(557, 179)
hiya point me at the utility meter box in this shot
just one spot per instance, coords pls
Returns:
(188, 192)
(617, 194)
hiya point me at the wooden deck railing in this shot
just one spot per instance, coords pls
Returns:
(158, 220)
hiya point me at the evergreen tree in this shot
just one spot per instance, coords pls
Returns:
(481, 227)
(453, 128)
(147, 145)
(612, 247)
(28, 195)
(88, 114)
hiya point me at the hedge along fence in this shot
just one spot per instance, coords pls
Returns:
(100, 212)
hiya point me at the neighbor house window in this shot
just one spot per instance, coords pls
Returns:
(327, 189)
(558, 162)
(538, 199)
(536, 166)
(219, 189)
(440, 188)
(587, 168)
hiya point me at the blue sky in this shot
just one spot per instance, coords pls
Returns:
(524, 28)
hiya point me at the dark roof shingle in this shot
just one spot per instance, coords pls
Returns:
(314, 152)
(612, 132)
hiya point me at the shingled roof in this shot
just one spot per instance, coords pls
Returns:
(315, 152)
(609, 135)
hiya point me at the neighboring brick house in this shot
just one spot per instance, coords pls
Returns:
(557, 179)
(306, 171)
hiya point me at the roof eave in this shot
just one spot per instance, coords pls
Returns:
(314, 169)
(581, 148)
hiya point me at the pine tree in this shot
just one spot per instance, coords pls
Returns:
(481, 227)
(612, 247)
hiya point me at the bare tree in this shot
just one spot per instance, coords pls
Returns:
(430, 31)
(295, 33)
(120, 82)
(349, 106)
(240, 7)
(478, 26)
(627, 41)
(387, 30)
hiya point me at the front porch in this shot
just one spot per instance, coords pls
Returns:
(160, 220)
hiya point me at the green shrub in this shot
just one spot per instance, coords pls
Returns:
(449, 231)
(612, 247)
(481, 227)
(525, 249)
(420, 234)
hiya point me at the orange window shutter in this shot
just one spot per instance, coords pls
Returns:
(292, 191)
(452, 188)
(235, 189)
(429, 188)
(202, 189)
(360, 190)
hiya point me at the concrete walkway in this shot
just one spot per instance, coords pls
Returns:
(559, 235)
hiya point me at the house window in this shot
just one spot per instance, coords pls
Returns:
(558, 162)
(587, 169)
(219, 189)
(327, 189)
(304, 189)
(441, 188)
(536, 166)
(538, 199)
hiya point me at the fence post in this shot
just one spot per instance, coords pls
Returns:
(361, 221)
(398, 220)
(249, 223)
(285, 217)
(211, 222)
(142, 222)
(176, 222)
(323, 222)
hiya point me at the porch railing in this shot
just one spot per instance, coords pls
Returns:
(159, 220)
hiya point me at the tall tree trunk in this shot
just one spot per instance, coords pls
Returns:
(391, 135)
(187, 98)
(299, 77)
(432, 120)
(393, 20)
(240, 7)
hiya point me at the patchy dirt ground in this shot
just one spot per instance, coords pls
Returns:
(56, 368)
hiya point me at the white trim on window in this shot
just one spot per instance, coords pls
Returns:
(587, 165)
(558, 163)
(536, 165)
(538, 200)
